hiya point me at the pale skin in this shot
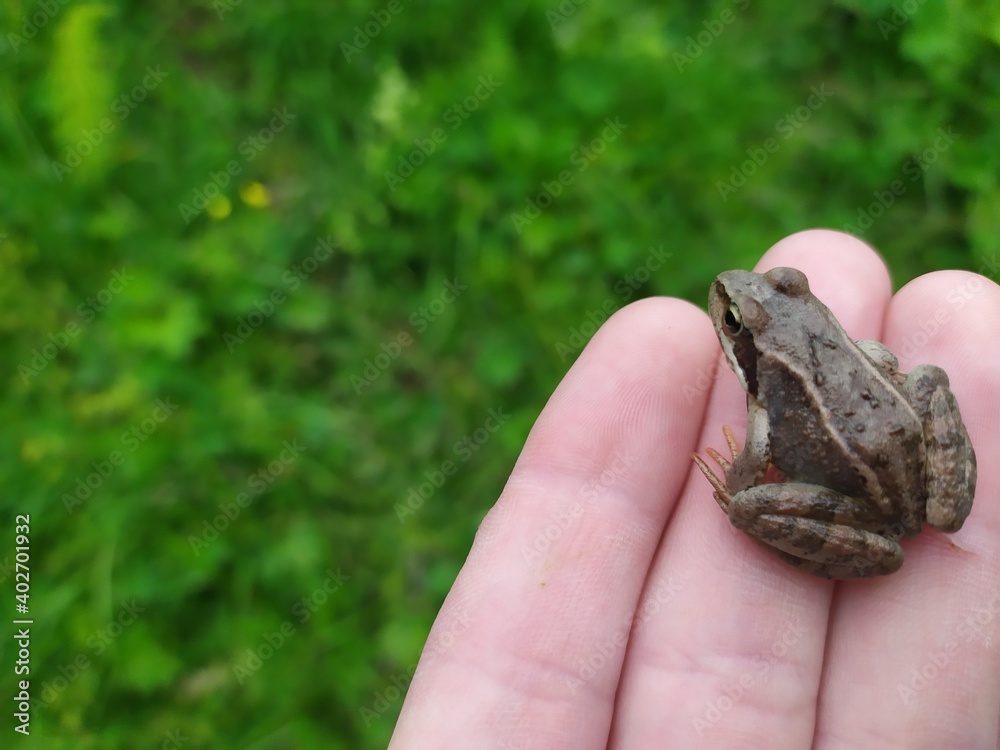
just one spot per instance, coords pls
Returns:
(605, 515)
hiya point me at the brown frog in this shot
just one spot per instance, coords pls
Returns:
(867, 453)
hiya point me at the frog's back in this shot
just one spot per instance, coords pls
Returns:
(837, 421)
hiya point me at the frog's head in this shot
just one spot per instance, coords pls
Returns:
(742, 305)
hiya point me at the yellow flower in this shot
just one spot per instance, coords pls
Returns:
(256, 195)
(219, 207)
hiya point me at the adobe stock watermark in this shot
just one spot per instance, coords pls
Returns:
(43, 13)
(122, 106)
(257, 484)
(454, 116)
(174, 739)
(901, 15)
(936, 662)
(990, 268)
(914, 168)
(463, 449)
(624, 288)
(130, 440)
(972, 628)
(253, 659)
(703, 382)
(223, 8)
(714, 28)
(607, 649)
(363, 34)
(561, 13)
(786, 126)
(581, 158)
(562, 520)
(249, 148)
(437, 645)
(86, 312)
(419, 320)
(382, 700)
(291, 280)
(98, 642)
(737, 689)
(927, 329)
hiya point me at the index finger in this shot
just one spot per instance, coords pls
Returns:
(538, 618)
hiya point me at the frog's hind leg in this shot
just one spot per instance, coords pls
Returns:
(859, 568)
(951, 461)
(820, 531)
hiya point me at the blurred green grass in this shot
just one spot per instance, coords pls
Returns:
(358, 230)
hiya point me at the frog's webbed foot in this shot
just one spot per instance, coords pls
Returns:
(722, 494)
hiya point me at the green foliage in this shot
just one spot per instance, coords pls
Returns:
(179, 253)
(80, 84)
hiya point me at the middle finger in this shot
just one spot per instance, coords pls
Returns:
(740, 644)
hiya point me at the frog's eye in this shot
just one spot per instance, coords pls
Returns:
(733, 319)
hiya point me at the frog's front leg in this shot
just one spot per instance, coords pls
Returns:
(818, 530)
(950, 461)
(750, 465)
(744, 468)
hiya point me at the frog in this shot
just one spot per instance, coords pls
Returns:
(844, 454)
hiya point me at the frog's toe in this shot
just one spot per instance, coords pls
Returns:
(721, 460)
(721, 494)
(734, 448)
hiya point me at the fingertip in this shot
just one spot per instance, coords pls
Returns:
(945, 314)
(643, 378)
(948, 318)
(846, 273)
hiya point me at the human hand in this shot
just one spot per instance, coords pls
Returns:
(607, 601)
